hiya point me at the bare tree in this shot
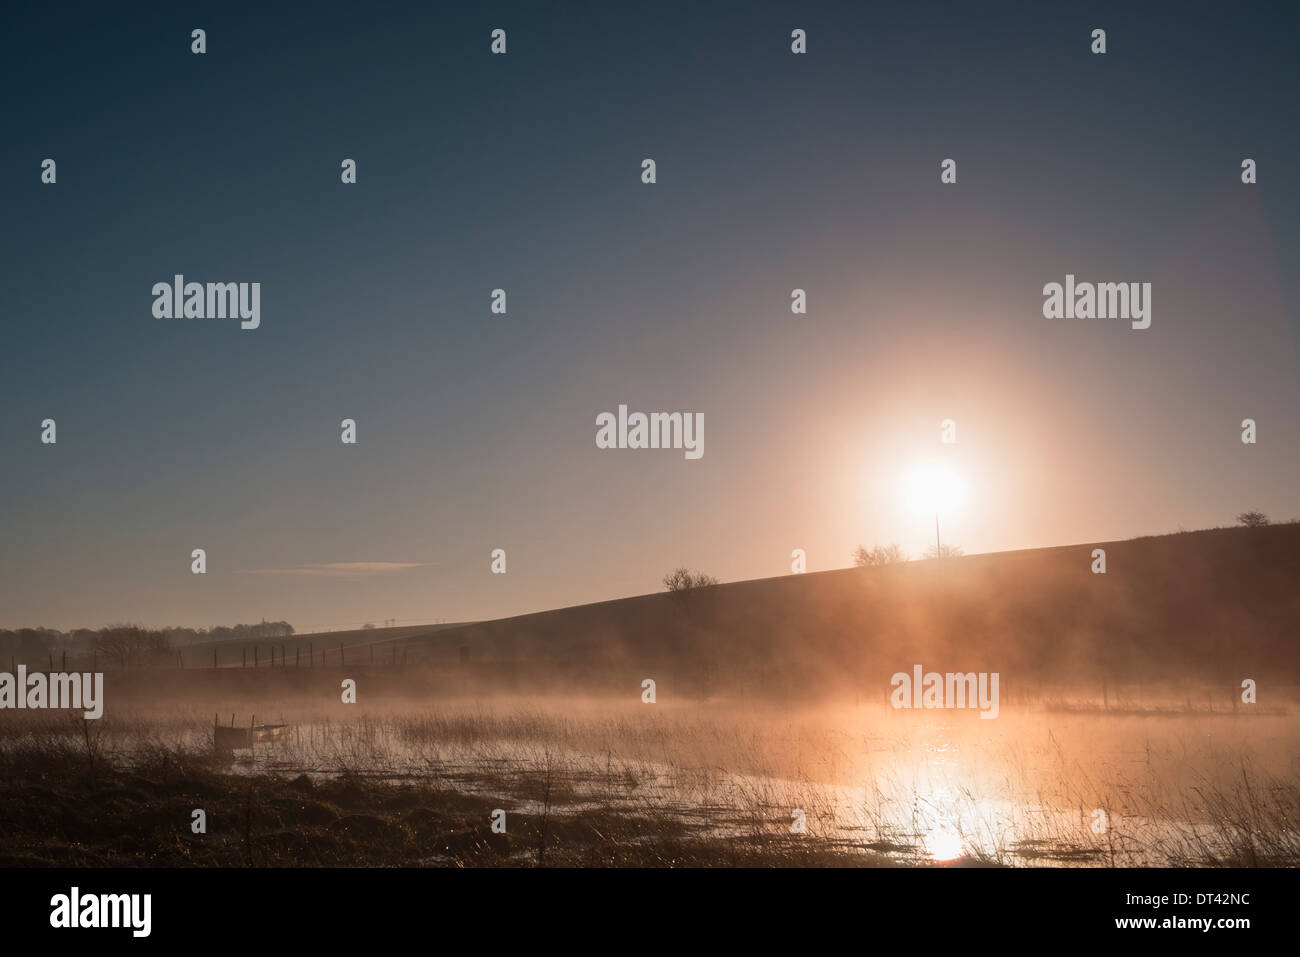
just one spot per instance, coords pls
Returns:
(683, 579)
(879, 555)
(131, 645)
(945, 551)
(1253, 519)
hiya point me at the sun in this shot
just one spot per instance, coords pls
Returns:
(934, 488)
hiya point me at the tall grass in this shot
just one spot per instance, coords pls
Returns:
(714, 783)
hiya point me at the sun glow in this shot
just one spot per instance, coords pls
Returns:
(944, 844)
(934, 488)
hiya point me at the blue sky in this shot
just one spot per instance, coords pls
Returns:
(522, 172)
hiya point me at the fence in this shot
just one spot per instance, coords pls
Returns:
(228, 655)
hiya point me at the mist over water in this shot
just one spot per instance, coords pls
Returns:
(1058, 782)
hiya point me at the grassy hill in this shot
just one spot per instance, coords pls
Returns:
(1211, 606)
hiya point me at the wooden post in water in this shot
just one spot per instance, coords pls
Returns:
(255, 656)
(244, 659)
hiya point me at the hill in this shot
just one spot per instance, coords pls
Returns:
(1212, 606)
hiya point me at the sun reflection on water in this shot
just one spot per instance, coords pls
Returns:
(944, 844)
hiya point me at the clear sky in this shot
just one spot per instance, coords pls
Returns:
(775, 171)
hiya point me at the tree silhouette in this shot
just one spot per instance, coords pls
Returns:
(879, 555)
(683, 579)
(947, 551)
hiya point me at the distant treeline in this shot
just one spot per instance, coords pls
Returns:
(127, 640)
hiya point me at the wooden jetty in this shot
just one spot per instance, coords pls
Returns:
(231, 738)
